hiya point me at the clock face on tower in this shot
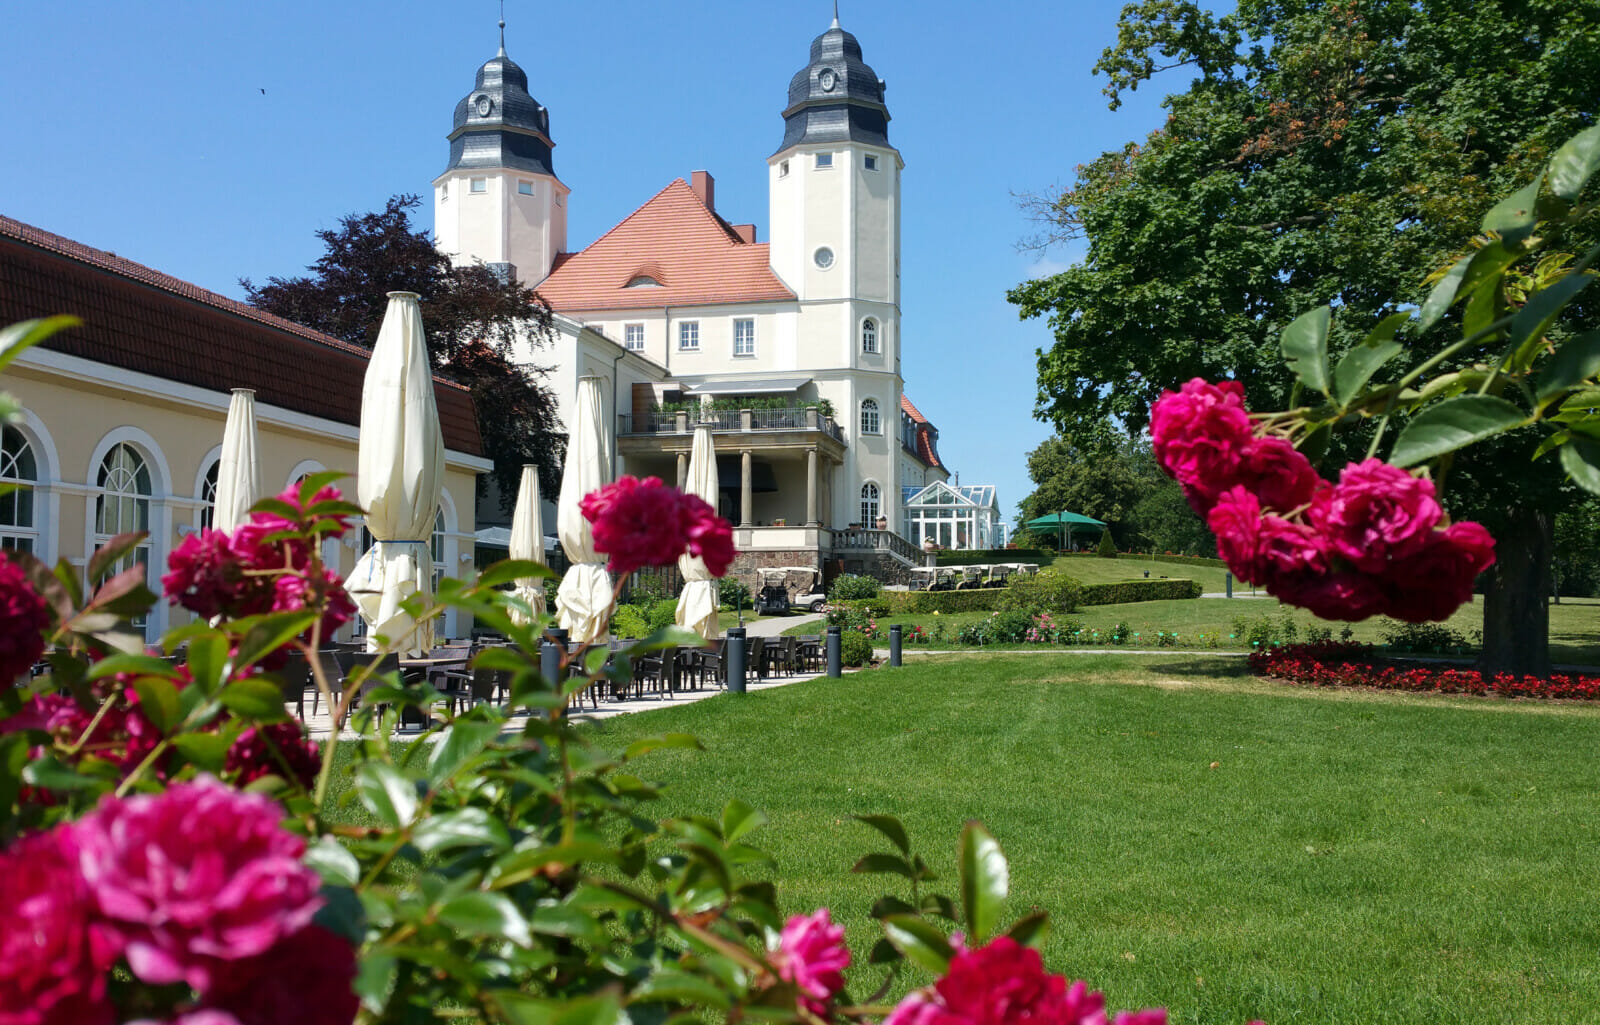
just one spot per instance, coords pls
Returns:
(827, 80)
(484, 106)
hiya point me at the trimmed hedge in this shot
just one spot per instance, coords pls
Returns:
(1037, 556)
(986, 599)
(1140, 590)
(878, 606)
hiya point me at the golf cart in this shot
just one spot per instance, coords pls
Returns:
(786, 587)
(933, 578)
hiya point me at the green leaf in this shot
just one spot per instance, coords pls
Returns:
(567, 922)
(465, 739)
(486, 914)
(1362, 361)
(330, 860)
(47, 772)
(271, 632)
(1453, 424)
(112, 665)
(1513, 218)
(468, 827)
(1031, 930)
(1576, 360)
(673, 986)
(1542, 308)
(890, 827)
(19, 337)
(1550, 444)
(1581, 460)
(254, 698)
(207, 751)
(375, 977)
(738, 818)
(387, 793)
(1443, 294)
(1574, 163)
(1304, 344)
(985, 881)
(886, 863)
(107, 555)
(919, 941)
(208, 661)
(510, 570)
(158, 700)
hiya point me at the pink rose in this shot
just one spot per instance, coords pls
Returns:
(710, 536)
(294, 591)
(1431, 584)
(195, 878)
(276, 750)
(645, 523)
(812, 955)
(52, 962)
(305, 978)
(24, 618)
(1377, 513)
(207, 577)
(204, 1016)
(1200, 434)
(1339, 595)
(1279, 475)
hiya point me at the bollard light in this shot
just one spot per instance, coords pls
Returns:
(835, 658)
(736, 665)
(894, 645)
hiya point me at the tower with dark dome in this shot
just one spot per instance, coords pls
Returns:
(498, 200)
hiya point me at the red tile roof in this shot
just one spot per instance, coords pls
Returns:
(694, 255)
(927, 434)
(142, 320)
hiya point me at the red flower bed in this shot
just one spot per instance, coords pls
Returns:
(1332, 664)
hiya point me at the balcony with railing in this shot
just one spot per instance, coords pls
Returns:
(746, 421)
(867, 540)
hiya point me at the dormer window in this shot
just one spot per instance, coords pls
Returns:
(642, 281)
(480, 185)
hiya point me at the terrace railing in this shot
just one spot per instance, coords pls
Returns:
(794, 418)
(876, 541)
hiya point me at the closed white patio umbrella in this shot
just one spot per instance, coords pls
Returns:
(585, 593)
(527, 541)
(239, 472)
(697, 605)
(400, 473)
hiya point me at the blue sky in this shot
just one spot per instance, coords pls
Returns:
(144, 129)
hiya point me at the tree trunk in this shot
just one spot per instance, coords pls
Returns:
(1516, 618)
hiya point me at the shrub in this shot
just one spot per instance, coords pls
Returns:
(855, 649)
(1121, 633)
(1010, 627)
(733, 595)
(629, 621)
(1049, 591)
(663, 614)
(1332, 664)
(1107, 548)
(911, 602)
(1138, 590)
(647, 588)
(853, 586)
(1426, 638)
(854, 617)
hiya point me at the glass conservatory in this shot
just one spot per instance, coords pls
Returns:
(953, 515)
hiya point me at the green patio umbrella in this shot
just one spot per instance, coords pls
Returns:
(1062, 523)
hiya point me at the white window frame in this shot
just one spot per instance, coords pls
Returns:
(869, 337)
(208, 494)
(524, 187)
(478, 186)
(142, 507)
(629, 341)
(871, 504)
(17, 535)
(869, 161)
(871, 418)
(823, 162)
(750, 350)
(783, 169)
(688, 336)
(444, 191)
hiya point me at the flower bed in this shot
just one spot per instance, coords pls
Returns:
(1335, 664)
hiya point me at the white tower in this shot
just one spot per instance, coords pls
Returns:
(499, 201)
(834, 211)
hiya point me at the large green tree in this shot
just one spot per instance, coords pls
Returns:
(1323, 153)
(1115, 480)
(472, 315)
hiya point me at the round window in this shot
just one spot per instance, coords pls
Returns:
(824, 257)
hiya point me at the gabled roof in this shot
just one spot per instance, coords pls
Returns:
(694, 256)
(927, 434)
(909, 410)
(142, 320)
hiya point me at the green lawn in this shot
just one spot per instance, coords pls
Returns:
(1225, 846)
(1094, 570)
(1574, 624)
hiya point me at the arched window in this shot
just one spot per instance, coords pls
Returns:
(208, 496)
(19, 472)
(438, 548)
(869, 504)
(869, 336)
(123, 505)
(870, 423)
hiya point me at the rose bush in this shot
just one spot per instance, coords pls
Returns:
(1335, 664)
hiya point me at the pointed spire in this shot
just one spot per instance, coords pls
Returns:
(835, 14)
(502, 52)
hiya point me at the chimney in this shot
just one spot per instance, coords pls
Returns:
(705, 187)
(747, 232)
